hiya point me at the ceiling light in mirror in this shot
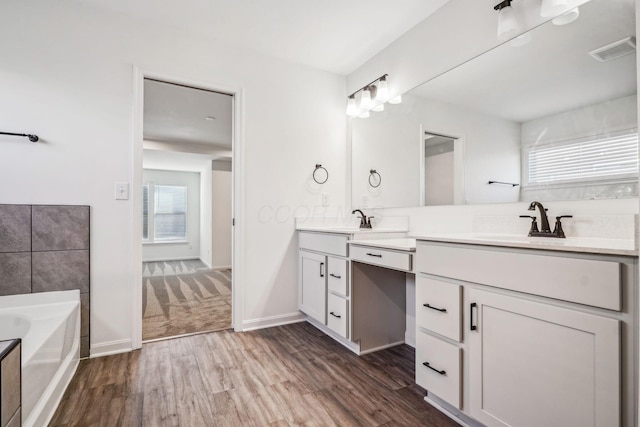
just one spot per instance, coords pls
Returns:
(551, 8)
(508, 25)
(567, 17)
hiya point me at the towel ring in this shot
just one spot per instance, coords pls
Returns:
(326, 174)
(372, 174)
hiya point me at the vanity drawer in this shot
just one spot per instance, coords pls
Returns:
(438, 307)
(335, 244)
(382, 257)
(337, 314)
(337, 275)
(442, 377)
(585, 281)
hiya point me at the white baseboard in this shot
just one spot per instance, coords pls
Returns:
(221, 267)
(205, 263)
(180, 258)
(409, 339)
(271, 321)
(109, 348)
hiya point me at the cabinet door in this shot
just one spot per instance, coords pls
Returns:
(534, 365)
(312, 296)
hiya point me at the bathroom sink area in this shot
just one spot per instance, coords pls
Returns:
(569, 244)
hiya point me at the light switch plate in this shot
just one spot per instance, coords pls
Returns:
(122, 191)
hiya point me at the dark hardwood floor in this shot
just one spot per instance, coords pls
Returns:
(284, 376)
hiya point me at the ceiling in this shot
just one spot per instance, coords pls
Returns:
(332, 35)
(181, 115)
(551, 74)
(165, 160)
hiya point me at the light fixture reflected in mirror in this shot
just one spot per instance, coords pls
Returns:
(382, 93)
(551, 8)
(508, 25)
(567, 17)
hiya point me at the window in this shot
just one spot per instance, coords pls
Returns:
(170, 213)
(164, 213)
(583, 160)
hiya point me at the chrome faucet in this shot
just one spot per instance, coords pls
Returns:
(364, 221)
(545, 230)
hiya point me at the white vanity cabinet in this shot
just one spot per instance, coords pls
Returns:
(521, 337)
(323, 284)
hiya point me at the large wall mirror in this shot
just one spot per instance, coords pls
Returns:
(552, 119)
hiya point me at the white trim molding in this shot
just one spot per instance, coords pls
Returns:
(111, 347)
(271, 321)
(237, 198)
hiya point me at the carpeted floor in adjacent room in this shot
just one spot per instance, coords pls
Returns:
(183, 297)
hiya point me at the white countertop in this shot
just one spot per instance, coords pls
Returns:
(397, 244)
(349, 230)
(569, 244)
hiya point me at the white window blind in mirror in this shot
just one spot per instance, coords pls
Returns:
(145, 213)
(614, 157)
(170, 212)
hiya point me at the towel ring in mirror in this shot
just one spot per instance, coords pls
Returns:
(320, 174)
(374, 178)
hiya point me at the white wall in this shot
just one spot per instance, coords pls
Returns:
(68, 77)
(189, 249)
(221, 214)
(206, 216)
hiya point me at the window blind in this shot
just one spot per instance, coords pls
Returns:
(611, 156)
(145, 212)
(170, 212)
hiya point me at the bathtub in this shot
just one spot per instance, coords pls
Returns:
(49, 325)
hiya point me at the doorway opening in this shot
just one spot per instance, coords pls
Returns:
(442, 169)
(187, 188)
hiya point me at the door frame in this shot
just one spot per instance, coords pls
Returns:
(237, 195)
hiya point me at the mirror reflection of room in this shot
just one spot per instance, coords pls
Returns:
(553, 118)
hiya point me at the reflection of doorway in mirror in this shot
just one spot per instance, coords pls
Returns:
(439, 172)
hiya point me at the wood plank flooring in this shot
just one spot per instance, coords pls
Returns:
(285, 376)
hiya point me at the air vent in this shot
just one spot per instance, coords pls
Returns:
(615, 50)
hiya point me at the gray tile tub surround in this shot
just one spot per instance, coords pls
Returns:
(15, 228)
(15, 273)
(60, 228)
(60, 271)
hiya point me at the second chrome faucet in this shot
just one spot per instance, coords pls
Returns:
(545, 230)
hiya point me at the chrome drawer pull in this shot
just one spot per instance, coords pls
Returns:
(335, 315)
(442, 310)
(336, 276)
(375, 255)
(443, 372)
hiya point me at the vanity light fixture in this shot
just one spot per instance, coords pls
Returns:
(567, 17)
(508, 25)
(352, 109)
(372, 98)
(365, 99)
